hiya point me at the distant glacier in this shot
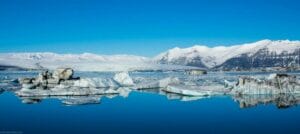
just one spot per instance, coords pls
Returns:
(82, 62)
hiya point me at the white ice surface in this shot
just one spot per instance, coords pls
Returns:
(123, 79)
(163, 83)
(95, 83)
(83, 62)
(196, 90)
(213, 56)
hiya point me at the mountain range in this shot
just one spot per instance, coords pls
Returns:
(260, 54)
(81, 62)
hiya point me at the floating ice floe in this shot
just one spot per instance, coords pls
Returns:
(274, 84)
(196, 90)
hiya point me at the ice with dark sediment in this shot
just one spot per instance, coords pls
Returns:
(62, 83)
(274, 84)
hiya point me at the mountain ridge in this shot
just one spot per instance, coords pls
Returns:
(263, 53)
(211, 57)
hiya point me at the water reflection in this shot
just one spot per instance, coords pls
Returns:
(69, 100)
(244, 101)
(75, 100)
(280, 100)
(173, 96)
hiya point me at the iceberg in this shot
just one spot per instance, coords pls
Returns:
(274, 84)
(123, 79)
(61, 83)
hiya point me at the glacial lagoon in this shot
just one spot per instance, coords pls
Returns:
(148, 111)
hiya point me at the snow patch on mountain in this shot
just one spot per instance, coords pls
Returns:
(213, 56)
(173, 59)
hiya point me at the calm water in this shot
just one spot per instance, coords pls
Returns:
(145, 112)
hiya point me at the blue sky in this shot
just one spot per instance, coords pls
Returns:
(141, 27)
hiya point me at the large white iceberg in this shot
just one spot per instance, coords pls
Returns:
(123, 79)
(46, 85)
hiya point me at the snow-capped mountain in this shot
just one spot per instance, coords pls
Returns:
(82, 62)
(264, 53)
